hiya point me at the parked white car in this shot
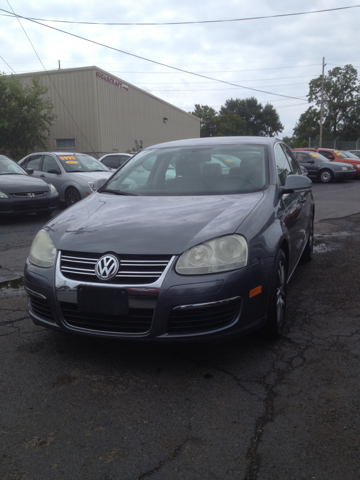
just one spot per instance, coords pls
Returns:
(115, 160)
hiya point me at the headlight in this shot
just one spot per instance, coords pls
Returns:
(343, 168)
(358, 166)
(42, 251)
(91, 185)
(3, 195)
(219, 255)
(53, 190)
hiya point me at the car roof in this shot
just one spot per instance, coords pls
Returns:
(208, 141)
(58, 153)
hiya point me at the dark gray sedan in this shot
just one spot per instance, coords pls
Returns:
(197, 251)
(22, 193)
(321, 169)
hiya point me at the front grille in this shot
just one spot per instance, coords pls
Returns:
(204, 318)
(133, 270)
(136, 322)
(41, 308)
(26, 194)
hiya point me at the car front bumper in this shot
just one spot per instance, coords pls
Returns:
(345, 175)
(175, 307)
(28, 205)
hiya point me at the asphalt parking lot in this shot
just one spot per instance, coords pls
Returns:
(75, 408)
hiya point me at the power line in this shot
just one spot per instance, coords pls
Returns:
(153, 61)
(86, 140)
(194, 22)
(219, 89)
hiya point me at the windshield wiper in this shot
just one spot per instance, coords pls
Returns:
(117, 192)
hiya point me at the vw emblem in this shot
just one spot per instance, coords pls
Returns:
(31, 195)
(107, 267)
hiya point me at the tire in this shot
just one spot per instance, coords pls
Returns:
(309, 248)
(71, 196)
(276, 314)
(326, 176)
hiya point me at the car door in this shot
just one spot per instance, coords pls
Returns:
(34, 162)
(294, 207)
(48, 168)
(308, 162)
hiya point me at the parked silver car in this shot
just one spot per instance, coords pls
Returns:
(74, 175)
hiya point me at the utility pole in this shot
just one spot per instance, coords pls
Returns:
(322, 101)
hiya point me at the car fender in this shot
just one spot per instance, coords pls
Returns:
(70, 183)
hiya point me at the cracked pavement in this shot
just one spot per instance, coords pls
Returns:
(74, 407)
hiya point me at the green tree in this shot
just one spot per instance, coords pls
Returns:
(259, 120)
(341, 101)
(26, 116)
(341, 107)
(307, 126)
(230, 125)
(208, 120)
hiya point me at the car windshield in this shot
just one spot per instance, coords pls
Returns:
(9, 167)
(340, 154)
(198, 170)
(81, 163)
(349, 155)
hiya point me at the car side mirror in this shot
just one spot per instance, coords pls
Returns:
(30, 171)
(296, 183)
(54, 170)
(331, 157)
(311, 161)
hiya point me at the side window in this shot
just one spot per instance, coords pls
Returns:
(123, 159)
(112, 161)
(326, 154)
(34, 162)
(282, 164)
(49, 163)
(301, 157)
(292, 162)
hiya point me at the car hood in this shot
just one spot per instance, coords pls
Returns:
(341, 164)
(93, 175)
(148, 225)
(96, 177)
(22, 184)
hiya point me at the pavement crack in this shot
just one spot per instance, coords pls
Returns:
(163, 462)
(268, 415)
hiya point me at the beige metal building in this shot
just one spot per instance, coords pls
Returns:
(98, 113)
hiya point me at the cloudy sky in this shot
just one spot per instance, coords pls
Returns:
(195, 52)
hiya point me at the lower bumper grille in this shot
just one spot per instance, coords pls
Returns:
(138, 320)
(203, 319)
(41, 308)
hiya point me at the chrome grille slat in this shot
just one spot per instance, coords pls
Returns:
(141, 269)
(25, 195)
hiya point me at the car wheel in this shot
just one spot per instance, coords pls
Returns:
(71, 196)
(326, 176)
(275, 321)
(309, 248)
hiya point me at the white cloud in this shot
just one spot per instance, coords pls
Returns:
(278, 55)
